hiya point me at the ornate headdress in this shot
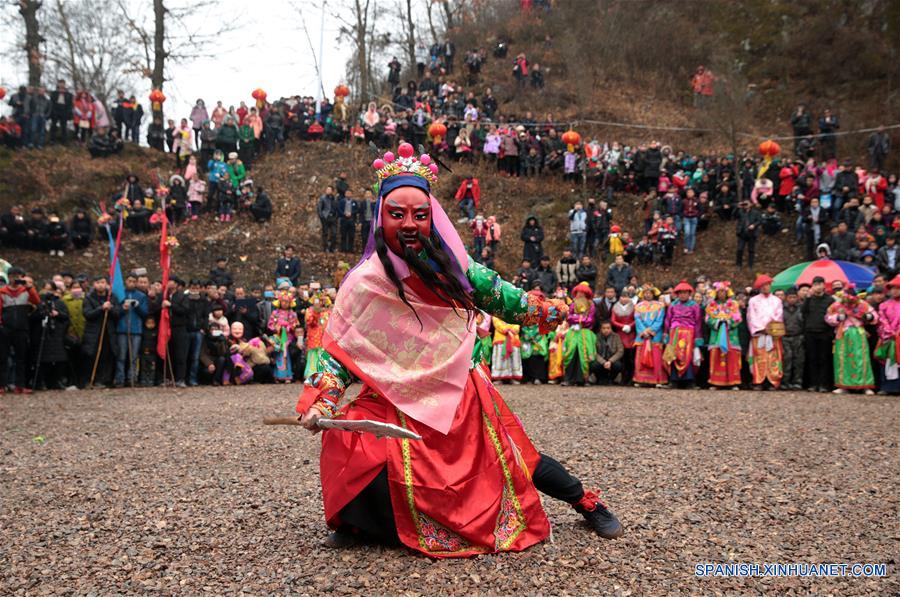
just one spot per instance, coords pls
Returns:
(284, 300)
(405, 164)
(724, 285)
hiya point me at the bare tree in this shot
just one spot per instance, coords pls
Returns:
(359, 28)
(172, 35)
(428, 12)
(33, 39)
(85, 46)
(409, 32)
(727, 112)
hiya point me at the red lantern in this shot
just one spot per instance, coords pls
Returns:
(259, 95)
(437, 131)
(2, 92)
(341, 91)
(157, 97)
(769, 148)
(571, 139)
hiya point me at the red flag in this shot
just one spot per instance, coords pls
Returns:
(165, 328)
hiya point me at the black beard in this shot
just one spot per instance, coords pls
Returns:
(439, 280)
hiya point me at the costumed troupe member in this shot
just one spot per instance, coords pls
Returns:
(684, 336)
(506, 358)
(649, 319)
(580, 346)
(556, 342)
(723, 316)
(852, 366)
(403, 323)
(484, 344)
(316, 320)
(888, 331)
(283, 322)
(764, 310)
(236, 369)
(535, 350)
(622, 319)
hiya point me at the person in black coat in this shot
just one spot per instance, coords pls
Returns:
(50, 324)
(652, 160)
(747, 227)
(288, 266)
(57, 235)
(81, 229)
(96, 339)
(61, 103)
(261, 208)
(532, 236)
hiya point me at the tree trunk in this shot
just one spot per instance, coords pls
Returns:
(362, 54)
(28, 9)
(410, 38)
(158, 77)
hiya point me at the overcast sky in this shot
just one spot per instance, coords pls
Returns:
(270, 51)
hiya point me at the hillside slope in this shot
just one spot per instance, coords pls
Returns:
(62, 178)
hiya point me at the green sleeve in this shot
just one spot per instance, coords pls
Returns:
(329, 364)
(495, 296)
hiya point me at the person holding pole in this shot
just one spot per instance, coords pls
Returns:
(129, 329)
(101, 313)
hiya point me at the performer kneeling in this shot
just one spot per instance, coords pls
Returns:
(404, 324)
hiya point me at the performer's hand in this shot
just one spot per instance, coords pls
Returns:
(309, 420)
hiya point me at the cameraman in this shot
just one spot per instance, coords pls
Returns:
(128, 332)
(49, 339)
(18, 301)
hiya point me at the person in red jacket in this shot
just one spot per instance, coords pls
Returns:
(18, 300)
(788, 175)
(468, 197)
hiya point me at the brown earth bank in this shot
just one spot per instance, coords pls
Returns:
(184, 492)
(63, 178)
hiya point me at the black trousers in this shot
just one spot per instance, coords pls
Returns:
(329, 236)
(819, 360)
(750, 243)
(348, 230)
(178, 352)
(18, 342)
(371, 511)
(606, 376)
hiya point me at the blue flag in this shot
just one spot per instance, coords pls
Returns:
(115, 270)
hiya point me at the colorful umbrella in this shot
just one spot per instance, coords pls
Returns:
(803, 273)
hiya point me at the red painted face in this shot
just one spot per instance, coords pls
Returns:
(406, 213)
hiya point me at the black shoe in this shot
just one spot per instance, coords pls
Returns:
(340, 539)
(599, 516)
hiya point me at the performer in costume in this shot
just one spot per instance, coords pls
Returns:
(316, 319)
(852, 365)
(649, 319)
(723, 316)
(764, 310)
(535, 350)
(484, 342)
(580, 347)
(282, 323)
(888, 330)
(506, 358)
(403, 323)
(622, 319)
(556, 347)
(683, 337)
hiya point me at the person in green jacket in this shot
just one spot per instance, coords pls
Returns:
(236, 170)
(73, 299)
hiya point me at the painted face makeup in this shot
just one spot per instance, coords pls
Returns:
(405, 214)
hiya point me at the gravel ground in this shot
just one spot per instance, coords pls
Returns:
(185, 493)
